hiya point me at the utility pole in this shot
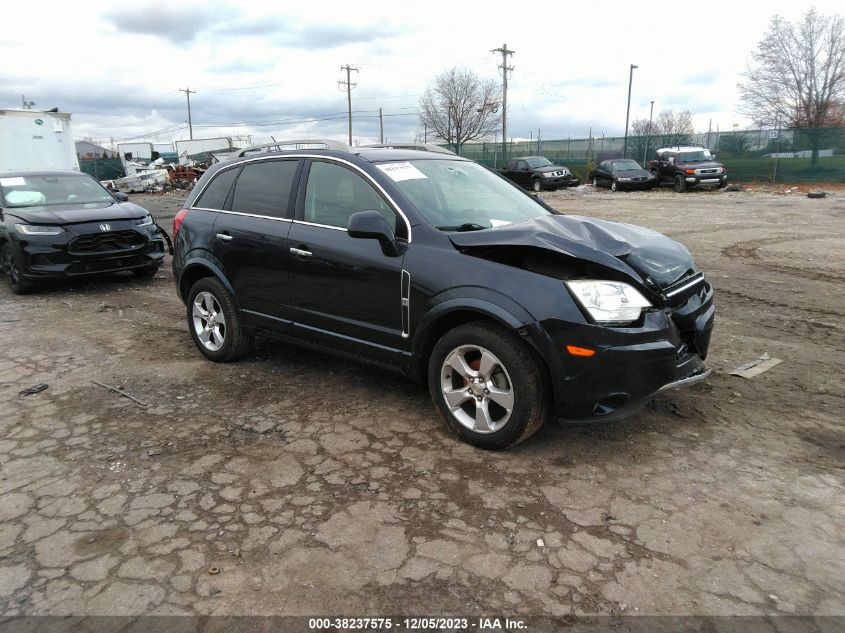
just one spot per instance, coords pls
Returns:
(648, 133)
(505, 68)
(380, 127)
(188, 92)
(628, 111)
(349, 86)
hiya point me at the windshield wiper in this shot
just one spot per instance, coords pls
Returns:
(467, 226)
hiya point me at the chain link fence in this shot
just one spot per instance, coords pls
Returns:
(773, 155)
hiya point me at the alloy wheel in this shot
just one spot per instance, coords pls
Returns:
(209, 322)
(477, 389)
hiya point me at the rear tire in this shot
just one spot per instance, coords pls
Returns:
(483, 369)
(680, 184)
(536, 185)
(613, 186)
(18, 284)
(595, 183)
(214, 320)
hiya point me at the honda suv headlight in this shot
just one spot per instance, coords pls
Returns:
(609, 302)
(35, 229)
(147, 220)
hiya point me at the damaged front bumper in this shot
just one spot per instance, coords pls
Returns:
(631, 365)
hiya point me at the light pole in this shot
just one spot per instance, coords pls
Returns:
(628, 111)
(648, 132)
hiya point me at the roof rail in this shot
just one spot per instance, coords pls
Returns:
(423, 147)
(297, 143)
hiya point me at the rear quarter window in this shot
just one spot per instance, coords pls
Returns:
(215, 194)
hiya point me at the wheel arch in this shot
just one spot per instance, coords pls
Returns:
(451, 314)
(197, 269)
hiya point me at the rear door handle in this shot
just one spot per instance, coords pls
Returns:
(300, 253)
(224, 237)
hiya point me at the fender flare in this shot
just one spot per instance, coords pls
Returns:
(196, 261)
(514, 317)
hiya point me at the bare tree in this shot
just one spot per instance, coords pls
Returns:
(676, 128)
(459, 106)
(643, 137)
(797, 78)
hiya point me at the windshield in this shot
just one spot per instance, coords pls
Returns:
(44, 190)
(692, 157)
(625, 165)
(456, 195)
(539, 161)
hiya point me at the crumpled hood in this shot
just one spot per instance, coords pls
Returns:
(634, 250)
(78, 213)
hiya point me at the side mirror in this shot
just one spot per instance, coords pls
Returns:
(120, 196)
(373, 225)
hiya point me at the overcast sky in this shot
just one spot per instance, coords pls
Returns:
(117, 67)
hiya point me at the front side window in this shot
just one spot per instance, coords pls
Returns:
(334, 193)
(522, 165)
(215, 194)
(263, 188)
(457, 195)
(52, 189)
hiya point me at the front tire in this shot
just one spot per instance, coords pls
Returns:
(536, 185)
(487, 386)
(215, 322)
(680, 184)
(18, 284)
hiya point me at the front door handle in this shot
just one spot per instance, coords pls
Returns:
(224, 237)
(300, 253)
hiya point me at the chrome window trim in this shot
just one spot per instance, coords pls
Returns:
(321, 226)
(396, 208)
(249, 215)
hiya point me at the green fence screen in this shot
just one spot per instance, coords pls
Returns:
(773, 155)
(103, 169)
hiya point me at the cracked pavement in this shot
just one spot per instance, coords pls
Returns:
(297, 483)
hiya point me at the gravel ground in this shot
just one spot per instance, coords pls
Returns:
(298, 483)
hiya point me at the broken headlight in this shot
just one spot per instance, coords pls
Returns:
(609, 302)
(147, 220)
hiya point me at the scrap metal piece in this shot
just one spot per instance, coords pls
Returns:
(756, 367)
(29, 391)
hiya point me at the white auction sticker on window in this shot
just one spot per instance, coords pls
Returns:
(401, 171)
(12, 182)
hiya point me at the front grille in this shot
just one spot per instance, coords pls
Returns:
(112, 242)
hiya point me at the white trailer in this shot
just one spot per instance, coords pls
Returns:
(35, 139)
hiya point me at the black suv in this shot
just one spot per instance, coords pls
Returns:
(62, 224)
(434, 266)
(688, 167)
(538, 173)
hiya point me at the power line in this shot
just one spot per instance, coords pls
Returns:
(349, 86)
(188, 92)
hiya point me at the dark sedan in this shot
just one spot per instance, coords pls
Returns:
(61, 224)
(622, 173)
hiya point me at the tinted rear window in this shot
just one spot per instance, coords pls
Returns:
(215, 194)
(264, 188)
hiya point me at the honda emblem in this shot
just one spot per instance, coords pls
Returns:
(105, 227)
